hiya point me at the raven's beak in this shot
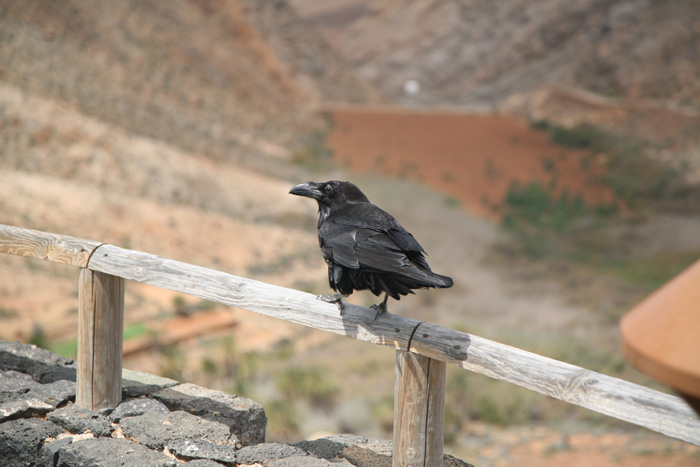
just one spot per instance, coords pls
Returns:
(309, 189)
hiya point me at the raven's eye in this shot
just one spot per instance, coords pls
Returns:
(328, 189)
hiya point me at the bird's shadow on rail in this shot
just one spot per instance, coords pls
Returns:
(387, 329)
(402, 333)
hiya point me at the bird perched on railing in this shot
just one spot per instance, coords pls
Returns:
(365, 247)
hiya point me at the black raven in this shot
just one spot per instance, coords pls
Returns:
(364, 246)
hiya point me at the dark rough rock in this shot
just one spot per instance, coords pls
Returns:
(452, 461)
(23, 409)
(15, 386)
(22, 441)
(68, 373)
(245, 417)
(360, 451)
(306, 461)
(367, 452)
(56, 393)
(12, 382)
(80, 420)
(201, 430)
(196, 449)
(137, 383)
(202, 463)
(134, 407)
(330, 447)
(105, 412)
(155, 430)
(20, 394)
(31, 359)
(263, 452)
(16, 397)
(110, 452)
(51, 449)
(363, 457)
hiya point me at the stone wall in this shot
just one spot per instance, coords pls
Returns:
(160, 422)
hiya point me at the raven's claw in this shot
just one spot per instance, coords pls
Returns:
(381, 308)
(335, 298)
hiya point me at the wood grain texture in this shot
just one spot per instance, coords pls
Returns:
(269, 300)
(46, 246)
(437, 386)
(419, 411)
(595, 391)
(100, 340)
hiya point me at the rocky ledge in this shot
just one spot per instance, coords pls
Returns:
(160, 422)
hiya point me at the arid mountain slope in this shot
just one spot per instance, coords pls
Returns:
(318, 69)
(481, 52)
(64, 172)
(215, 77)
(629, 67)
(158, 126)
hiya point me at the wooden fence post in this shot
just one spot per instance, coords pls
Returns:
(419, 411)
(100, 340)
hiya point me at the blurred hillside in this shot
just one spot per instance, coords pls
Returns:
(630, 67)
(235, 79)
(144, 124)
(481, 53)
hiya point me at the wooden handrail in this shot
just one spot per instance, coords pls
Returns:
(47, 246)
(611, 396)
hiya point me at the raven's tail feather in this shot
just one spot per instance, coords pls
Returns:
(441, 282)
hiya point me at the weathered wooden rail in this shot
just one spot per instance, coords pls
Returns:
(423, 348)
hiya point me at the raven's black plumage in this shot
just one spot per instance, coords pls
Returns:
(364, 246)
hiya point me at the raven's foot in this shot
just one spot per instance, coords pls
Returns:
(335, 298)
(379, 309)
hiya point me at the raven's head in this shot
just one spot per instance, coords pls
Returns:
(330, 193)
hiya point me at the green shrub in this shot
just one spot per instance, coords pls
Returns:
(172, 363)
(38, 337)
(314, 385)
(282, 420)
(67, 347)
(133, 330)
(533, 205)
(581, 136)
(542, 125)
(383, 412)
(633, 177)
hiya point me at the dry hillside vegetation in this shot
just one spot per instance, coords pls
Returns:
(207, 76)
(133, 191)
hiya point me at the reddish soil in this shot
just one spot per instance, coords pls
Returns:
(473, 158)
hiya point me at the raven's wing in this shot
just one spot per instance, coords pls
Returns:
(369, 216)
(358, 247)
